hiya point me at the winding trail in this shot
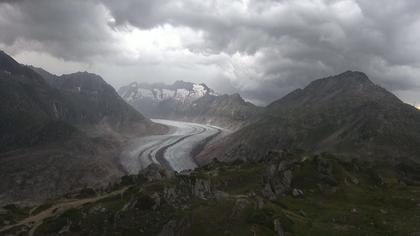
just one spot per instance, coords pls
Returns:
(34, 221)
(173, 150)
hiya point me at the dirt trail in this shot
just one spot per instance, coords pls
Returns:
(36, 220)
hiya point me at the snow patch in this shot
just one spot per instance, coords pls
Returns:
(146, 93)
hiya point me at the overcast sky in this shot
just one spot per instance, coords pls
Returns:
(262, 49)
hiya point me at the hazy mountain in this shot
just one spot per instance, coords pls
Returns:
(346, 114)
(162, 100)
(183, 92)
(189, 102)
(60, 135)
(228, 111)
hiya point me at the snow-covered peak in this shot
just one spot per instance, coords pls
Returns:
(184, 92)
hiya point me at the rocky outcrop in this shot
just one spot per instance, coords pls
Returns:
(176, 227)
(156, 172)
(278, 228)
(277, 178)
(227, 199)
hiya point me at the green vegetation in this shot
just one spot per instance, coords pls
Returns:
(327, 195)
(12, 213)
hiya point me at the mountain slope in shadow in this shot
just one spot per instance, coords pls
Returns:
(60, 133)
(344, 114)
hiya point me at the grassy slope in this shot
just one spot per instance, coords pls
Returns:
(341, 197)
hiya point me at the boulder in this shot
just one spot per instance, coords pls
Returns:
(297, 193)
(156, 172)
(278, 228)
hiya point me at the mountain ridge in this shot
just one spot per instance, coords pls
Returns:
(346, 114)
(57, 136)
(191, 102)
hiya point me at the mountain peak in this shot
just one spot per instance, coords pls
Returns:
(83, 74)
(348, 88)
(10, 66)
(355, 77)
(346, 113)
(183, 84)
(7, 63)
(346, 79)
(85, 77)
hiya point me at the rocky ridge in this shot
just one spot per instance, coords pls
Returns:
(345, 114)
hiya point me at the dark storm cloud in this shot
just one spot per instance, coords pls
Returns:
(299, 40)
(264, 48)
(73, 30)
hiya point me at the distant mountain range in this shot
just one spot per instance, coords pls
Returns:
(345, 114)
(59, 133)
(185, 92)
(189, 102)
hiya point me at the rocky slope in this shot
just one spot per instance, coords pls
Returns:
(93, 101)
(227, 111)
(288, 194)
(346, 114)
(57, 138)
(189, 102)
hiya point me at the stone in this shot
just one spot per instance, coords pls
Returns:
(268, 193)
(201, 188)
(260, 202)
(176, 227)
(240, 205)
(156, 198)
(169, 194)
(277, 180)
(297, 193)
(278, 228)
(156, 172)
(220, 195)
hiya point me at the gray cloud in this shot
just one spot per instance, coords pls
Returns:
(72, 30)
(300, 40)
(260, 48)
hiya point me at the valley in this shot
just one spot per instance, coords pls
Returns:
(209, 118)
(173, 150)
(337, 157)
